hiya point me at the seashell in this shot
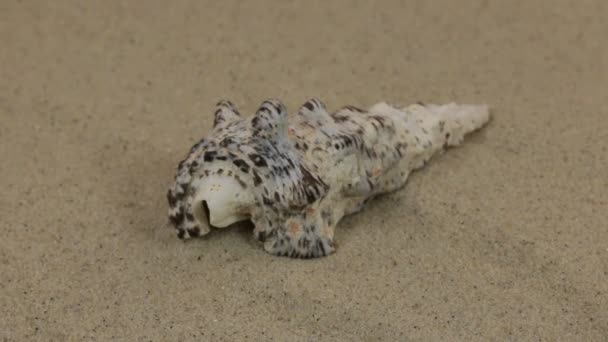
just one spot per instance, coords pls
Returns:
(296, 178)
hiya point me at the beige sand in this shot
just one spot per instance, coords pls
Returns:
(503, 238)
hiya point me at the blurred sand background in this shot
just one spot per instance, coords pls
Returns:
(505, 238)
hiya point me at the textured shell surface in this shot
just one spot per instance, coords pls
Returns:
(296, 177)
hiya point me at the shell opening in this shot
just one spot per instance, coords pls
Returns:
(220, 202)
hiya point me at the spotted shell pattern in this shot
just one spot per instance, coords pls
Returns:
(306, 172)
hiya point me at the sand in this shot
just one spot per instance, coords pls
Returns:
(504, 238)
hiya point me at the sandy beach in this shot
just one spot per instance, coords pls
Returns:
(502, 239)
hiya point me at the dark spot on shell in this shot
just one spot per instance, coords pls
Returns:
(241, 164)
(340, 118)
(308, 105)
(209, 156)
(311, 186)
(379, 119)
(354, 109)
(261, 236)
(255, 121)
(256, 178)
(267, 201)
(226, 141)
(321, 247)
(178, 218)
(304, 242)
(241, 183)
(194, 232)
(183, 190)
(258, 160)
(171, 199)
